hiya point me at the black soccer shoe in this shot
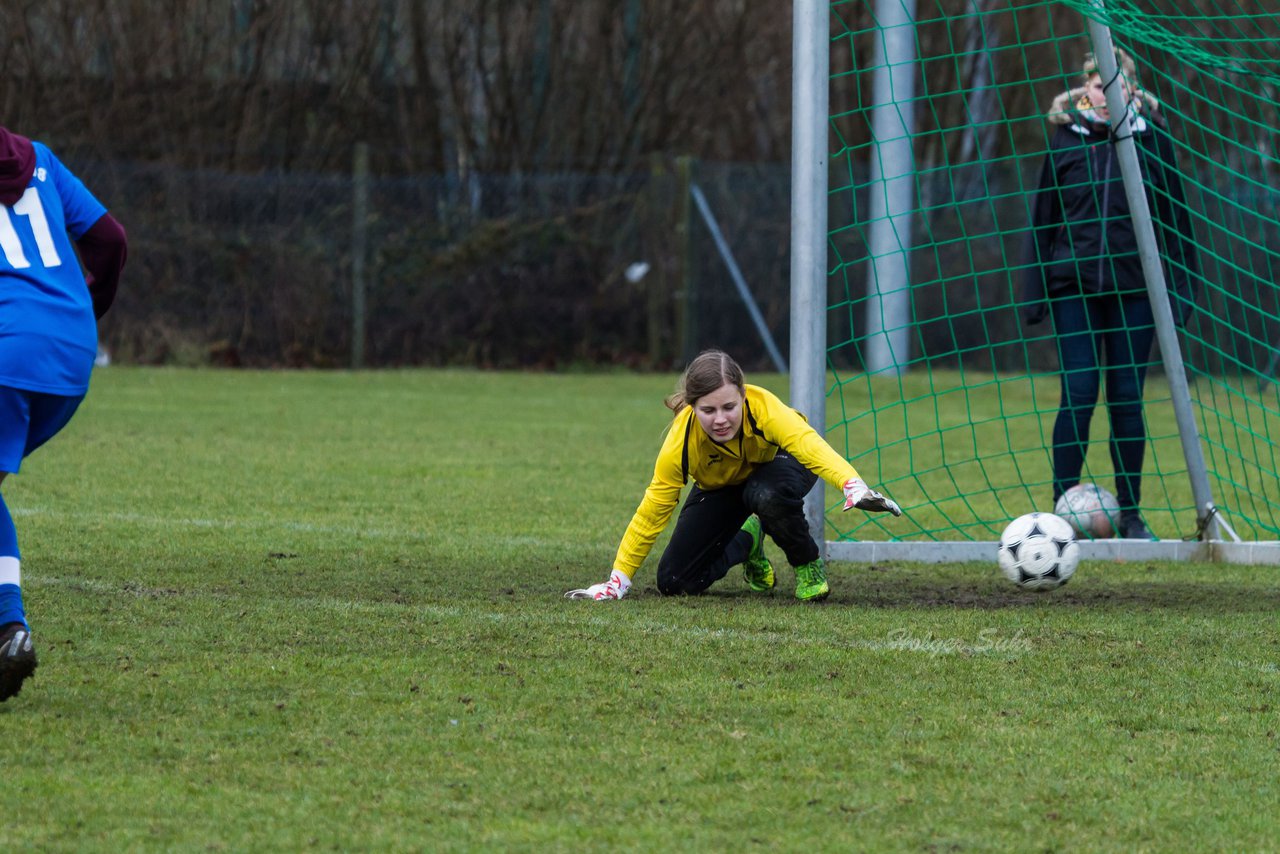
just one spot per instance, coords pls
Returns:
(17, 659)
(1133, 528)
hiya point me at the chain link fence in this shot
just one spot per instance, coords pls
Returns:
(508, 271)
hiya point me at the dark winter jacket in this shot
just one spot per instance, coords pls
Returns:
(1082, 237)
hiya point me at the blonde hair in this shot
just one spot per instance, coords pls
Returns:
(1127, 67)
(707, 372)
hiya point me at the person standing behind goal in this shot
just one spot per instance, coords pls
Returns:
(1083, 270)
(752, 459)
(48, 336)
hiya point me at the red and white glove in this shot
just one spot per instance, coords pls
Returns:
(858, 494)
(615, 588)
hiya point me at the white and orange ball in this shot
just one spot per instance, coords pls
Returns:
(1093, 512)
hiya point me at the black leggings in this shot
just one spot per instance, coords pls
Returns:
(1102, 336)
(709, 539)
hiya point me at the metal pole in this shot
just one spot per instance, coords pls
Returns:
(810, 49)
(658, 294)
(359, 249)
(1153, 271)
(892, 188)
(687, 282)
(735, 273)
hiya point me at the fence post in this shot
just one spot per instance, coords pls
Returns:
(893, 190)
(686, 302)
(658, 304)
(359, 249)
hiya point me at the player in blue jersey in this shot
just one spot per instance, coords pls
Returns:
(49, 306)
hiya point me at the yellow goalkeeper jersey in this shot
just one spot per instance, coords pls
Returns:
(688, 453)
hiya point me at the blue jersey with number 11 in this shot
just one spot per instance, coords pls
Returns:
(48, 335)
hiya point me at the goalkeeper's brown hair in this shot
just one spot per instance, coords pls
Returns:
(706, 373)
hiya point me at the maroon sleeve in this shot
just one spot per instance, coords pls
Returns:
(103, 249)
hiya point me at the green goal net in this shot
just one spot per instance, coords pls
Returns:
(942, 118)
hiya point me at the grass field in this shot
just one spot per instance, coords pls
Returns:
(289, 611)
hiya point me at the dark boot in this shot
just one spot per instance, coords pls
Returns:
(1132, 527)
(17, 658)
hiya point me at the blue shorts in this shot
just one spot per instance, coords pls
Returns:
(28, 419)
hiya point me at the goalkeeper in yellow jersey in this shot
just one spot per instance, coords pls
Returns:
(752, 460)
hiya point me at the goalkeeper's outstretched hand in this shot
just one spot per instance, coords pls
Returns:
(858, 494)
(615, 588)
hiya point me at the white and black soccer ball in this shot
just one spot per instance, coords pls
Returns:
(1091, 511)
(1039, 551)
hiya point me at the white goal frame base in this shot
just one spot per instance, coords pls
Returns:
(1124, 551)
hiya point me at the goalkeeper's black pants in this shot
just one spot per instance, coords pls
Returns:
(708, 539)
